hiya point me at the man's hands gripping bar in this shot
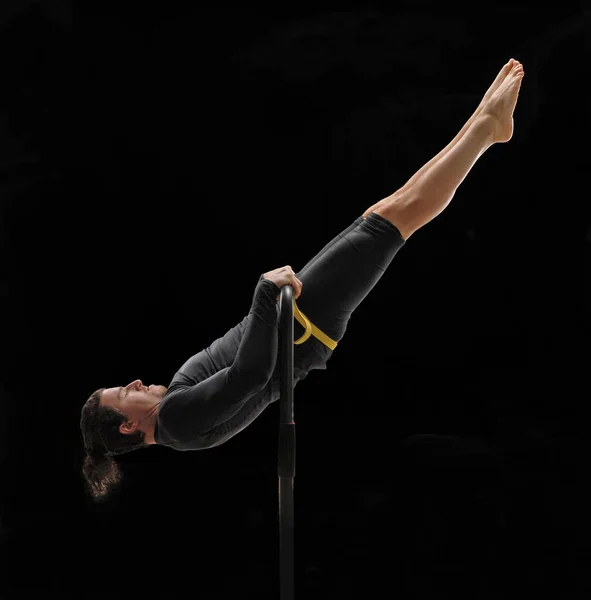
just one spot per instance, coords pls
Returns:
(285, 276)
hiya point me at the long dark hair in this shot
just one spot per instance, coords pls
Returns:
(102, 440)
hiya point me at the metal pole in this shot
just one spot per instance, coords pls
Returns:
(286, 450)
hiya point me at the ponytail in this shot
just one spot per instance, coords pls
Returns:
(102, 474)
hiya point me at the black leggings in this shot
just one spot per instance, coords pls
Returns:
(340, 276)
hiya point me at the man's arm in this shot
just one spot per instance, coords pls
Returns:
(223, 351)
(195, 407)
(192, 410)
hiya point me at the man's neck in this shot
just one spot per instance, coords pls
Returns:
(149, 427)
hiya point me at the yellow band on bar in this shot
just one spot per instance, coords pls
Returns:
(311, 329)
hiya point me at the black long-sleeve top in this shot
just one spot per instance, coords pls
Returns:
(214, 385)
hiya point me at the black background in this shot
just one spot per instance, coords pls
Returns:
(156, 158)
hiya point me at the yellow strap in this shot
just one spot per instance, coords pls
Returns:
(311, 329)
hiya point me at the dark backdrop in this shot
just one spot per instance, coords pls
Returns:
(156, 158)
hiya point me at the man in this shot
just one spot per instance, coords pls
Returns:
(222, 389)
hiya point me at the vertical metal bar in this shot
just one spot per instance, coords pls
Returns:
(286, 447)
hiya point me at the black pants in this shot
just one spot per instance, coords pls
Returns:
(341, 275)
(337, 279)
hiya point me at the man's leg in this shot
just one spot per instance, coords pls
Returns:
(495, 85)
(431, 189)
(491, 90)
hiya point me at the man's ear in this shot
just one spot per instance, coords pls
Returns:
(128, 427)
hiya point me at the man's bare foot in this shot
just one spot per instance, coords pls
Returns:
(494, 87)
(500, 106)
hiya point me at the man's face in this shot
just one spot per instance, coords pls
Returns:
(135, 400)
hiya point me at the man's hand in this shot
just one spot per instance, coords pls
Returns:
(285, 276)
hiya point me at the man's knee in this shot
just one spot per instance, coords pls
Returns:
(401, 212)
